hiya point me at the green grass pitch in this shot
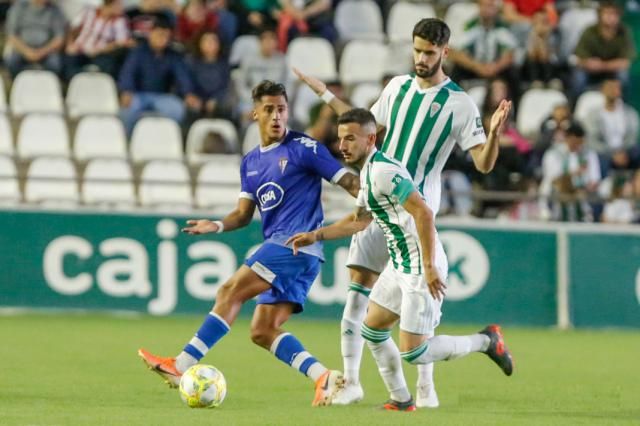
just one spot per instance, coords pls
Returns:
(83, 370)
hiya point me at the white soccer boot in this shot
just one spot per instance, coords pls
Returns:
(350, 394)
(427, 397)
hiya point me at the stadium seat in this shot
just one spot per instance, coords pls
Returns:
(92, 93)
(218, 185)
(403, 16)
(572, 24)
(304, 100)
(367, 26)
(313, 56)
(587, 102)
(363, 95)
(9, 190)
(156, 138)
(36, 91)
(198, 132)
(108, 182)
(6, 138)
(251, 138)
(478, 93)
(457, 16)
(535, 106)
(165, 184)
(62, 188)
(43, 135)
(336, 202)
(72, 8)
(243, 46)
(100, 137)
(3, 97)
(363, 62)
(400, 59)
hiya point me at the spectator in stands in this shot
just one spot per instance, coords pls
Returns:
(268, 64)
(612, 130)
(148, 75)
(486, 49)
(570, 170)
(551, 132)
(211, 77)
(142, 17)
(521, 15)
(227, 21)
(35, 30)
(194, 19)
(541, 62)
(214, 143)
(299, 17)
(254, 15)
(604, 50)
(620, 207)
(99, 36)
(322, 127)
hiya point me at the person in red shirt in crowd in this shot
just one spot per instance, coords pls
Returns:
(519, 14)
(195, 18)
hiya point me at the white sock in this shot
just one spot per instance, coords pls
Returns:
(387, 357)
(425, 372)
(351, 341)
(184, 361)
(440, 348)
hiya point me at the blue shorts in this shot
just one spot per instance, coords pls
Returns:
(290, 276)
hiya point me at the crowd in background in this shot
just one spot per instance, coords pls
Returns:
(171, 58)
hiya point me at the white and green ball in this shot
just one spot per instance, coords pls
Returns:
(203, 386)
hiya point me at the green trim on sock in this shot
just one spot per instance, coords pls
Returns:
(374, 335)
(415, 353)
(360, 289)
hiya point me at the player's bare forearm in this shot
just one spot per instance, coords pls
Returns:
(350, 183)
(241, 216)
(425, 225)
(320, 88)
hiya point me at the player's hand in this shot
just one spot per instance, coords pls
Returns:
(314, 84)
(301, 240)
(200, 226)
(434, 282)
(500, 116)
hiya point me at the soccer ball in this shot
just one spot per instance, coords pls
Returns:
(203, 386)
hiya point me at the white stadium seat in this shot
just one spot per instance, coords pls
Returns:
(572, 24)
(198, 131)
(457, 17)
(478, 93)
(586, 103)
(156, 138)
(363, 62)
(165, 184)
(366, 26)
(304, 100)
(403, 16)
(9, 190)
(43, 135)
(3, 97)
(100, 137)
(6, 138)
(108, 182)
(72, 8)
(218, 185)
(535, 106)
(36, 91)
(364, 94)
(243, 46)
(313, 56)
(52, 182)
(251, 138)
(400, 59)
(92, 93)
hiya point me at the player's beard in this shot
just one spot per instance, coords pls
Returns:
(428, 73)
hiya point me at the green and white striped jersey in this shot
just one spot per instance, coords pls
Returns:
(423, 126)
(385, 184)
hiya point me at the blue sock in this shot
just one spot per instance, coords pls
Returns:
(212, 329)
(289, 350)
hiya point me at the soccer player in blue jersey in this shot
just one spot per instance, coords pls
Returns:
(282, 177)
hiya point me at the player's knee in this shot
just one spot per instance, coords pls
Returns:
(261, 336)
(374, 335)
(226, 292)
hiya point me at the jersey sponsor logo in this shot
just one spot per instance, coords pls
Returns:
(468, 265)
(283, 164)
(269, 195)
(309, 143)
(435, 107)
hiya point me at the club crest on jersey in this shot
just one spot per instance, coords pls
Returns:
(435, 107)
(283, 164)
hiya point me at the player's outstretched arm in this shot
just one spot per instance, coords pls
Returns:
(238, 218)
(345, 227)
(485, 155)
(321, 90)
(350, 183)
(425, 225)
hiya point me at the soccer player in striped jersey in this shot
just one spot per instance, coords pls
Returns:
(425, 115)
(282, 178)
(411, 287)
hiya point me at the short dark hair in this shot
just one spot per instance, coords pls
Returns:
(433, 30)
(161, 22)
(357, 115)
(609, 4)
(268, 88)
(575, 129)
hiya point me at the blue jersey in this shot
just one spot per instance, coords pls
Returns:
(284, 180)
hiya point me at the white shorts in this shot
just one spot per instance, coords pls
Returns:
(408, 297)
(368, 249)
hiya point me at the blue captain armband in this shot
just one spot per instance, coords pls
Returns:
(403, 188)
